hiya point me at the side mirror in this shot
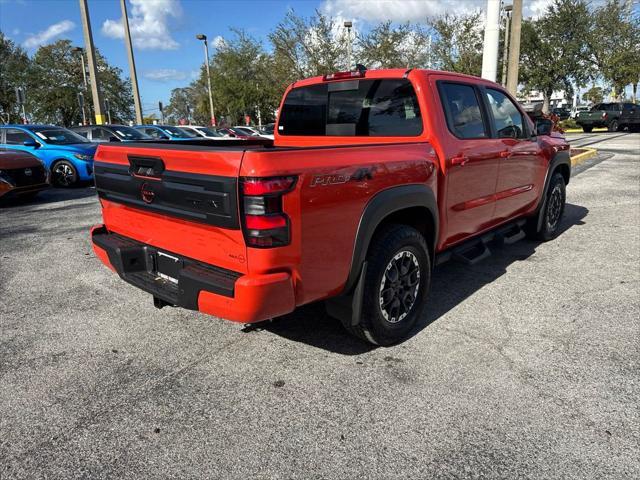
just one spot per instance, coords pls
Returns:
(31, 143)
(113, 138)
(544, 126)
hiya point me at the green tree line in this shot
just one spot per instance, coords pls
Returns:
(52, 79)
(573, 44)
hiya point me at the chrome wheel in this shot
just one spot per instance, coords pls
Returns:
(399, 286)
(554, 211)
(64, 175)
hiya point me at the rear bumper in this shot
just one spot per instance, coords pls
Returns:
(202, 287)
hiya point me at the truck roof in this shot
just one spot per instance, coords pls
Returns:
(391, 73)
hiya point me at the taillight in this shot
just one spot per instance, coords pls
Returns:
(604, 114)
(265, 224)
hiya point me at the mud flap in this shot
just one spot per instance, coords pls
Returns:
(348, 308)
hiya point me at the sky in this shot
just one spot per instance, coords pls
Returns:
(167, 53)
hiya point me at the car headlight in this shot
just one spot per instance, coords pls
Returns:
(81, 156)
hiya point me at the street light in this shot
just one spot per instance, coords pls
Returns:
(80, 51)
(348, 24)
(203, 37)
(505, 51)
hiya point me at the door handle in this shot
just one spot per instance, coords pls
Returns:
(459, 160)
(505, 154)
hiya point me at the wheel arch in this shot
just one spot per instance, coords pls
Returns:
(413, 205)
(560, 163)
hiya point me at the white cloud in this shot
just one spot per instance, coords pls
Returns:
(149, 24)
(167, 75)
(51, 32)
(397, 10)
(414, 10)
(218, 41)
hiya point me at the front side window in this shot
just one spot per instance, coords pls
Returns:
(507, 119)
(462, 110)
(17, 137)
(360, 108)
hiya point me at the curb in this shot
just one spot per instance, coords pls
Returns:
(584, 156)
(579, 130)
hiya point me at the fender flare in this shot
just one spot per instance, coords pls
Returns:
(377, 209)
(562, 157)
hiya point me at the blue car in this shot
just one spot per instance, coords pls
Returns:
(166, 132)
(67, 155)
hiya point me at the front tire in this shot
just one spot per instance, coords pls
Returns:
(553, 210)
(64, 174)
(395, 286)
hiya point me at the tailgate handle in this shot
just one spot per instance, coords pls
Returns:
(147, 167)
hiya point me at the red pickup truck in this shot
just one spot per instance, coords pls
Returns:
(373, 177)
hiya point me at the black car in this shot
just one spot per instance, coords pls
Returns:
(111, 133)
(562, 113)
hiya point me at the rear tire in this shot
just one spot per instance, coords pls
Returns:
(395, 286)
(64, 174)
(553, 210)
(613, 126)
(587, 129)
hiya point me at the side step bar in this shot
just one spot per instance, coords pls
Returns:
(477, 249)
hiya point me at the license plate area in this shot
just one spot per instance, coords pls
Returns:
(168, 267)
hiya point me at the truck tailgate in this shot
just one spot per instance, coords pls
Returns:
(182, 199)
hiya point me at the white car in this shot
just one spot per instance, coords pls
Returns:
(205, 132)
(576, 110)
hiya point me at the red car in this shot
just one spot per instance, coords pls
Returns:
(21, 175)
(372, 179)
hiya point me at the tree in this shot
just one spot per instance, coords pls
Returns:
(180, 105)
(614, 46)
(593, 95)
(307, 47)
(553, 49)
(56, 79)
(386, 46)
(458, 44)
(14, 69)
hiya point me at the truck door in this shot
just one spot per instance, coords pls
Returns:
(522, 165)
(471, 158)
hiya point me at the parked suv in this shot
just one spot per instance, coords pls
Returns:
(67, 155)
(110, 133)
(372, 179)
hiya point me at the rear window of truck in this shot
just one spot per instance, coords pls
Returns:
(360, 108)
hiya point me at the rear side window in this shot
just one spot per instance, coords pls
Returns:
(462, 109)
(16, 137)
(356, 108)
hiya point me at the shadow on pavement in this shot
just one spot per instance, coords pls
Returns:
(311, 325)
(51, 195)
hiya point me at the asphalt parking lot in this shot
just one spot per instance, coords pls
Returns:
(527, 365)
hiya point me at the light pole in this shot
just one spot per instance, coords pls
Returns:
(514, 48)
(203, 37)
(348, 24)
(505, 49)
(132, 63)
(491, 39)
(91, 57)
